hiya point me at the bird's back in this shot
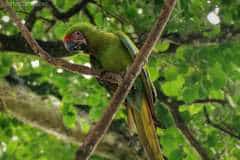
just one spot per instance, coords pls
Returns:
(115, 57)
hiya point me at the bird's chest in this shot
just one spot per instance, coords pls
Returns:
(114, 60)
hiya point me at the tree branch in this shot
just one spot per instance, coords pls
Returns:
(173, 107)
(65, 15)
(89, 16)
(187, 133)
(32, 16)
(32, 110)
(55, 61)
(19, 44)
(227, 32)
(97, 132)
(219, 127)
(203, 101)
(56, 49)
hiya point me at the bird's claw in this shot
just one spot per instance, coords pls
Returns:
(111, 77)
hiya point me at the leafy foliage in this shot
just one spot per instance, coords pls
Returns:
(196, 60)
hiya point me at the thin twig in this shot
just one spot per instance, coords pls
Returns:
(202, 101)
(65, 15)
(219, 127)
(97, 132)
(32, 16)
(61, 63)
(173, 107)
(89, 16)
(119, 18)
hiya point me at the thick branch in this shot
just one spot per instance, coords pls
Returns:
(219, 127)
(98, 131)
(43, 54)
(18, 44)
(56, 48)
(228, 32)
(31, 109)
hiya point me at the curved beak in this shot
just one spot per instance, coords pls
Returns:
(74, 46)
(70, 46)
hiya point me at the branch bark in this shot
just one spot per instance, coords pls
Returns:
(18, 44)
(97, 132)
(204, 101)
(31, 19)
(56, 49)
(173, 106)
(65, 15)
(32, 110)
(228, 32)
(38, 50)
(61, 63)
(89, 16)
(182, 126)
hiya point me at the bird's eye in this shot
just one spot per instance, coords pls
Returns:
(76, 47)
(78, 33)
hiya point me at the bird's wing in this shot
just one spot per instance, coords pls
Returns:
(148, 85)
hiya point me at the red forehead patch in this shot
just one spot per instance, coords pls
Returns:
(67, 37)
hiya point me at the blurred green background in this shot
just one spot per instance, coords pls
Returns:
(195, 68)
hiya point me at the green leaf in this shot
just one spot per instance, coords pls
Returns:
(171, 73)
(180, 52)
(173, 87)
(212, 139)
(3, 71)
(153, 69)
(171, 140)
(162, 46)
(194, 109)
(99, 19)
(191, 93)
(60, 3)
(85, 126)
(69, 115)
(177, 154)
(218, 76)
(164, 116)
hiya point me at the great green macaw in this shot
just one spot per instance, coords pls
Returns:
(114, 52)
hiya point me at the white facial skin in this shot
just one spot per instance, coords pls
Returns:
(75, 41)
(79, 39)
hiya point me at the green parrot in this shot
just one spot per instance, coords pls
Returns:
(114, 52)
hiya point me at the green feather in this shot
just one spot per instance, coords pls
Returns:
(107, 47)
(115, 52)
(148, 85)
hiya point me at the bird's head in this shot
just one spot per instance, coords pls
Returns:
(75, 41)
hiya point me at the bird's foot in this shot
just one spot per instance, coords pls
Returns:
(111, 77)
